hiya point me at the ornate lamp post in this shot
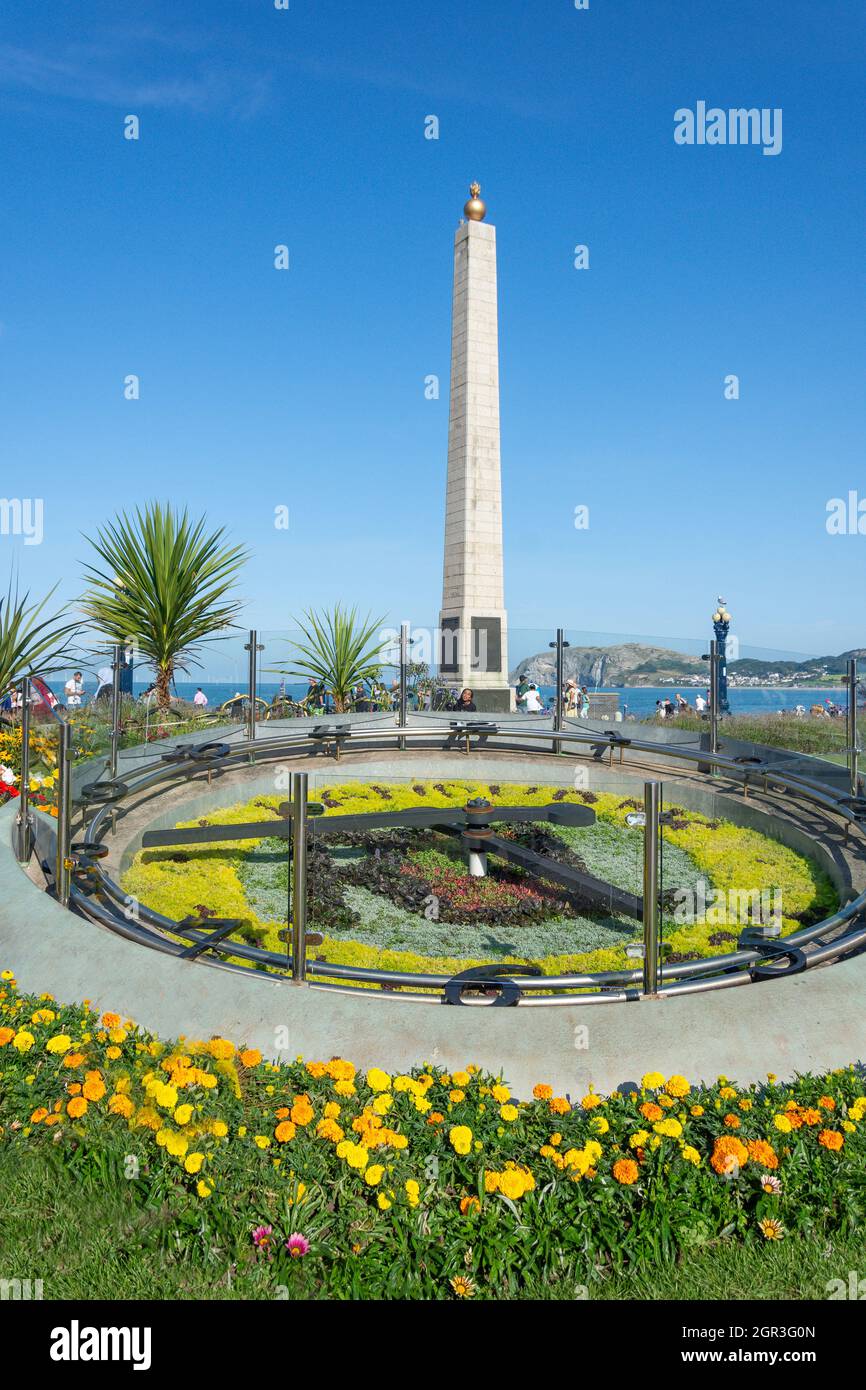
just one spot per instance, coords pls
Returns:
(721, 627)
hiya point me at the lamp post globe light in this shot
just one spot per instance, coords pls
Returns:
(721, 627)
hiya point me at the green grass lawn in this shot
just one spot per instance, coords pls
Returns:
(89, 1240)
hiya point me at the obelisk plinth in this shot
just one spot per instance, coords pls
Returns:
(473, 622)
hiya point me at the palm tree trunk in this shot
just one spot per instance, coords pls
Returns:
(163, 686)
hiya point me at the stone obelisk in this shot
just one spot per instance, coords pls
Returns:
(474, 632)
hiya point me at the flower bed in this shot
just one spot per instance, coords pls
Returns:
(435, 1182)
(380, 914)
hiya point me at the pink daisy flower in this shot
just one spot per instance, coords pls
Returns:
(262, 1237)
(297, 1245)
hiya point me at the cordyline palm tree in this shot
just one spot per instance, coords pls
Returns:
(29, 643)
(164, 586)
(337, 651)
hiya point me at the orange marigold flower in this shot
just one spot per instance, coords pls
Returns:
(282, 1113)
(93, 1089)
(831, 1139)
(250, 1057)
(111, 1020)
(6, 1036)
(727, 1153)
(732, 1121)
(827, 1103)
(38, 1115)
(542, 1092)
(435, 1118)
(284, 1132)
(558, 1105)
(471, 1203)
(76, 1107)
(762, 1152)
(651, 1111)
(625, 1171)
(302, 1111)
(73, 1059)
(811, 1117)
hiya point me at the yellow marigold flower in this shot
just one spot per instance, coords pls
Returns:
(219, 1129)
(378, 1080)
(59, 1043)
(638, 1139)
(691, 1155)
(782, 1123)
(383, 1202)
(374, 1174)
(221, 1049)
(23, 1041)
(183, 1115)
(677, 1086)
(43, 1016)
(383, 1102)
(456, 1096)
(262, 1141)
(671, 1128)
(848, 1127)
(590, 1101)
(112, 1053)
(501, 1094)
(176, 1144)
(512, 1183)
(625, 1170)
(119, 1104)
(203, 1189)
(491, 1182)
(509, 1113)
(192, 1163)
(344, 1088)
(696, 1110)
(652, 1081)
(76, 1107)
(461, 1138)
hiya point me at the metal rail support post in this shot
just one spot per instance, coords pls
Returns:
(299, 875)
(116, 664)
(64, 815)
(651, 879)
(853, 748)
(24, 837)
(403, 709)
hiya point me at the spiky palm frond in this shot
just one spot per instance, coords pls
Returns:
(164, 586)
(337, 651)
(29, 643)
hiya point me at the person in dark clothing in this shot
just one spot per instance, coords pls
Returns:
(466, 704)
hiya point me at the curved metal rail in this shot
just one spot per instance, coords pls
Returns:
(96, 896)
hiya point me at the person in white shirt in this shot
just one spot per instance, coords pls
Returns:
(700, 704)
(199, 698)
(533, 701)
(73, 690)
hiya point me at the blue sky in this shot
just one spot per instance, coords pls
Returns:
(305, 388)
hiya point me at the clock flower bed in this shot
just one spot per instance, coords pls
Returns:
(434, 1183)
(403, 899)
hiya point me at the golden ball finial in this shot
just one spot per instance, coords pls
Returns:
(475, 209)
